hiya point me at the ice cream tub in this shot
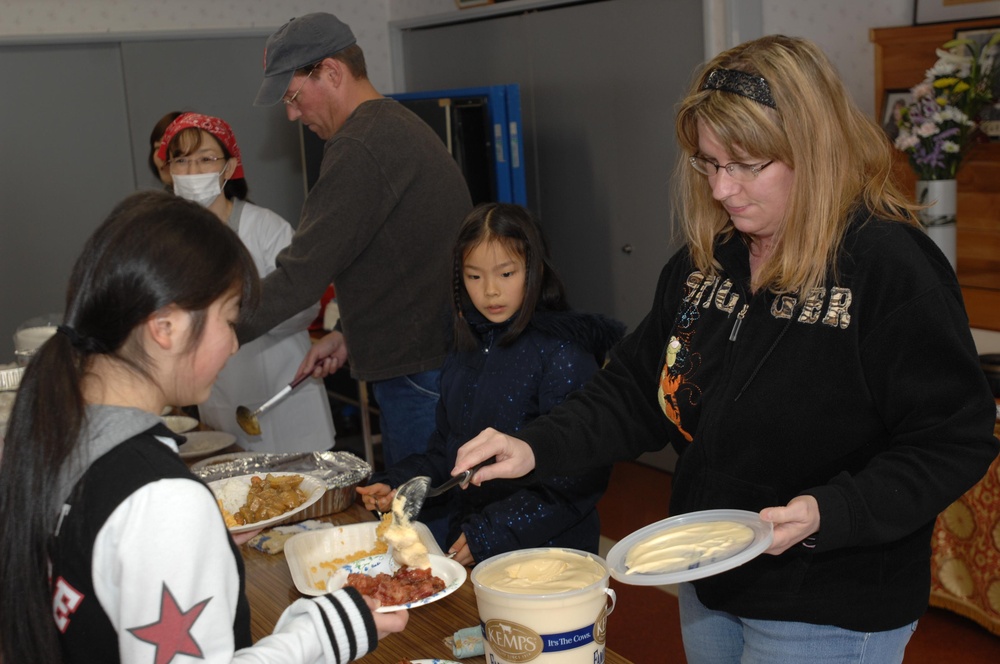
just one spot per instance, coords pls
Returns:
(544, 605)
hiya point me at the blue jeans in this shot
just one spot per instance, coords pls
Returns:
(714, 637)
(408, 407)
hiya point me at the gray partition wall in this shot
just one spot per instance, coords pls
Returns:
(599, 82)
(74, 136)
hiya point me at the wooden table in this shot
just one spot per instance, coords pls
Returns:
(270, 590)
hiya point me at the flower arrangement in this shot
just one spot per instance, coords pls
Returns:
(938, 125)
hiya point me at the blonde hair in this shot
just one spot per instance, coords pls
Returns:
(842, 160)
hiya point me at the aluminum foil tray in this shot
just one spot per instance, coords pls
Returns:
(342, 472)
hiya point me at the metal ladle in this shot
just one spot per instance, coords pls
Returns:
(411, 494)
(247, 419)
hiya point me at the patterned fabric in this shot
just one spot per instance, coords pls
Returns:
(965, 559)
(217, 127)
(741, 83)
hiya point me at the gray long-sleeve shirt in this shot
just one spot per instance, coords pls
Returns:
(379, 224)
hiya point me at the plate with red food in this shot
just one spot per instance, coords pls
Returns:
(396, 587)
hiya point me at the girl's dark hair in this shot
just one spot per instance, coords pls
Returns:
(154, 136)
(186, 141)
(154, 250)
(516, 229)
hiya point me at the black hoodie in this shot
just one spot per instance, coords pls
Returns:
(868, 397)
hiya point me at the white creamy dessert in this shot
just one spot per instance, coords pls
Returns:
(550, 571)
(687, 546)
(407, 549)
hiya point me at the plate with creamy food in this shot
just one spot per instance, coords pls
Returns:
(251, 502)
(689, 546)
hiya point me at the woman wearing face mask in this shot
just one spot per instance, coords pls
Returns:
(206, 168)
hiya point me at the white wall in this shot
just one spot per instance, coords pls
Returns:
(24, 20)
(840, 28)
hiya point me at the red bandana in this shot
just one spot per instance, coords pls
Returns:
(214, 126)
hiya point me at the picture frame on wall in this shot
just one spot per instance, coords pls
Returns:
(942, 11)
(891, 105)
(990, 120)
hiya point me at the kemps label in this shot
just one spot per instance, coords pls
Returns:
(514, 642)
(601, 627)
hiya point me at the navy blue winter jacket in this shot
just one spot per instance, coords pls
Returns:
(505, 387)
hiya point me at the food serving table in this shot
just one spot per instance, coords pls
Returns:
(270, 590)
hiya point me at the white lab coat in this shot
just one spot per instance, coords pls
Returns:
(302, 421)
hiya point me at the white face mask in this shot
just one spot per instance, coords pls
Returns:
(202, 188)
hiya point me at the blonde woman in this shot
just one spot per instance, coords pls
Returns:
(809, 357)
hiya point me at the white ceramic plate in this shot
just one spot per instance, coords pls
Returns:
(200, 443)
(305, 551)
(452, 573)
(180, 423)
(763, 534)
(311, 486)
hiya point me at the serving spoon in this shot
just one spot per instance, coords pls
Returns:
(411, 494)
(247, 419)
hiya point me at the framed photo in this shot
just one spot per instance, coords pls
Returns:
(991, 116)
(895, 100)
(941, 11)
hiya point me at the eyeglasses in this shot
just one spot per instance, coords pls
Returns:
(201, 161)
(737, 170)
(291, 100)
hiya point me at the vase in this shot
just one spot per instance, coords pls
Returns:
(939, 218)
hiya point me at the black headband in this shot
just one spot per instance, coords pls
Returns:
(741, 83)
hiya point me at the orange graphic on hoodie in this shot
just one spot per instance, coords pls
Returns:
(670, 384)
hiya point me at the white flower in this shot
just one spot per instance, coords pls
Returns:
(906, 141)
(950, 64)
(950, 146)
(924, 89)
(926, 129)
(951, 114)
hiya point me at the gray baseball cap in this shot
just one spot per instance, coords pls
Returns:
(300, 42)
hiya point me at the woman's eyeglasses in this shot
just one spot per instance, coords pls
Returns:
(201, 161)
(738, 171)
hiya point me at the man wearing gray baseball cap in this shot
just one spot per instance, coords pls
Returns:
(378, 224)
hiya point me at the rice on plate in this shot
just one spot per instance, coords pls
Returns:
(232, 493)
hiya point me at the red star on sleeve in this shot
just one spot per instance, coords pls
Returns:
(171, 634)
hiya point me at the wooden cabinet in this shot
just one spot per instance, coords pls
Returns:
(902, 56)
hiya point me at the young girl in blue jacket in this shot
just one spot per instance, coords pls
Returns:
(518, 352)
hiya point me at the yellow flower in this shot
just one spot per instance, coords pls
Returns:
(946, 82)
(960, 87)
